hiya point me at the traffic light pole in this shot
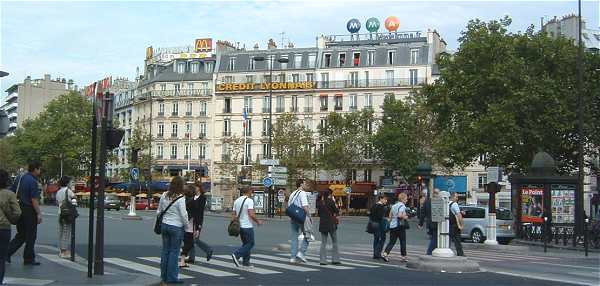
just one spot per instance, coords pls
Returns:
(90, 255)
(106, 125)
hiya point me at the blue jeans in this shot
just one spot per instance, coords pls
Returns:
(4, 239)
(203, 245)
(296, 227)
(378, 242)
(432, 243)
(247, 236)
(169, 257)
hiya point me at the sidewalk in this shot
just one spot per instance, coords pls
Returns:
(58, 271)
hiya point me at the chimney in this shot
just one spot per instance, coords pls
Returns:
(256, 47)
(46, 77)
(271, 45)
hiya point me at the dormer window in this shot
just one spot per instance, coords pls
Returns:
(181, 67)
(326, 60)
(231, 65)
(342, 59)
(356, 59)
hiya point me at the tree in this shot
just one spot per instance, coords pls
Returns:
(8, 160)
(58, 135)
(292, 143)
(347, 139)
(230, 168)
(508, 95)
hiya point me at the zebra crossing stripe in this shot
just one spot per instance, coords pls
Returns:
(66, 263)
(253, 260)
(228, 264)
(26, 281)
(139, 267)
(345, 261)
(196, 268)
(313, 264)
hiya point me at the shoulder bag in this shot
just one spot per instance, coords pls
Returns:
(335, 219)
(68, 211)
(296, 213)
(403, 223)
(234, 227)
(160, 216)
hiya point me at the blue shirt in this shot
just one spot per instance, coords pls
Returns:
(397, 209)
(29, 188)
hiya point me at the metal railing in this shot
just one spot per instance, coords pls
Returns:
(226, 133)
(308, 109)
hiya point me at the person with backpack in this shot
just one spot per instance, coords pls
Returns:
(456, 223)
(9, 215)
(196, 204)
(243, 210)
(171, 208)
(377, 225)
(299, 199)
(328, 222)
(398, 227)
(65, 216)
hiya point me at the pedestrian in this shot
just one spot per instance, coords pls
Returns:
(328, 223)
(28, 191)
(456, 224)
(425, 220)
(9, 214)
(300, 199)
(376, 218)
(188, 234)
(64, 224)
(398, 227)
(175, 220)
(243, 209)
(196, 204)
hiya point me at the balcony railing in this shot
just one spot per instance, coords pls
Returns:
(174, 113)
(225, 157)
(202, 113)
(294, 109)
(337, 107)
(188, 113)
(161, 114)
(226, 110)
(226, 133)
(202, 136)
(160, 135)
(280, 109)
(173, 157)
(353, 108)
(173, 135)
(308, 109)
(265, 110)
(248, 110)
(324, 107)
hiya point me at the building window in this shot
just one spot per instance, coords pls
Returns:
(202, 129)
(389, 78)
(270, 61)
(173, 151)
(227, 127)
(188, 129)
(298, 61)
(324, 101)
(181, 67)
(161, 109)
(174, 129)
(367, 175)
(414, 56)
(283, 65)
(326, 60)
(252, 64)
(228, 79)
(295, 77)
(247, 124)
(266, 78)
(353, 175)
(353, 102)
(366, 81)
(163, 86)
(356, 59)
(322, 148)
(481, 180)
(249, 78)
(294, 103)
(203, 108)
(389, 96)
(227, 105)
(159, 151)
(186, 149)
(280, 103)
(371, 58)
(282, 77)
(195, 67)
(209, 67)
(265, 149)
(308, 123)
(161, 129)
(368, 100)
(338, 102)
(308, 103)
(175, 109)
(323, 123)
(266, 106)
(341, 59)
(325, 80)
(413, 77)
(248, 153)
(188, 110)
(248, 104)
(310, 77)
(312, 59)
(177, 88)
(202, 151)
(225, 152)
(353, 79)
(391, 57)
(231, 65)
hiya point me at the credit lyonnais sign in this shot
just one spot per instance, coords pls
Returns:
(265, 86)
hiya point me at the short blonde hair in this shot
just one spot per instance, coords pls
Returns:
(402, 196)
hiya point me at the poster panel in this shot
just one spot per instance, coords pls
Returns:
(532, 203)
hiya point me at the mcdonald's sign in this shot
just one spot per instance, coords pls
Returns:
(203, 45)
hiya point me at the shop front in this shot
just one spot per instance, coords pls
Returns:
(355, 199)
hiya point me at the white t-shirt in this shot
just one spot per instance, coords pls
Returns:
(60, 196)
(299, 198)
(397, 209)
(454, 208)
(245, 221)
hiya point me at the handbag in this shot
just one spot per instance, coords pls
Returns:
(68, 211)
(296, 213)
(234, 227)
(336, 220)
(160, 216)
(372, 227)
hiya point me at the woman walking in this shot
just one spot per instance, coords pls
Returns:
(175, 220)
(398, 227)
(65, 222)
(10, 211)
(376, 218)
(195, 204)
(328, 222)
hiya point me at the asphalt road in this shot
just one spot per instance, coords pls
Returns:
(132, 247)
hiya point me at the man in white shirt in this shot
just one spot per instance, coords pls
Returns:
(243, 208)
(456, 223)
(300, 199)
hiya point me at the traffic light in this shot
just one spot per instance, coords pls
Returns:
(134, 155)
(114, 137)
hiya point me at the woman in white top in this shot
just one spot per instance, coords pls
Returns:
(64, 225)
(398, 227)
(175, 220)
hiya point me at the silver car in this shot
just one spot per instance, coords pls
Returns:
(476, 221)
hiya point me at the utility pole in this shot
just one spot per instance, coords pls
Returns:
(92, 184)
(579, 211)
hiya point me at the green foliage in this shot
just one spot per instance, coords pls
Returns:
(292, 144)
(509, 95)
(60, 132)
(348, 142)
(8, 160)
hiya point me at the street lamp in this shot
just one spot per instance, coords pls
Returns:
(281, 61)
(3, 73)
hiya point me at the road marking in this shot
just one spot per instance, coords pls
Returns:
(479, 252)
(273, 264)
(530, 275)
(344, 260)
(586, 274)
(26, 281)
(64, 262)
(314, 264)
(230, 265)
(196, 268)
(139, 267)
(565, 265)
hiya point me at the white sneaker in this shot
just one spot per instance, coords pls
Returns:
(301, 237)
(292, 260)
(301, 257)
(311, 238)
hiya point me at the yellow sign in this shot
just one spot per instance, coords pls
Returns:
(149, 52)
(265, 86)
(203, 45)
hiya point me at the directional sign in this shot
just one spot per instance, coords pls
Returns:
(278, 169)
(279, 182)
(134, 173)
(278, 176)
(269, 162)
(437, 210)
(267, 182)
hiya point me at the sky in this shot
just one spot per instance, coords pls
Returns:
(86, 41)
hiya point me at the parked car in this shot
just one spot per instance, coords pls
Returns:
(142, 204)
(112, 202)
(476, 221)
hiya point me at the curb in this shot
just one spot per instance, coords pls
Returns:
(555, 246)
(456, 264)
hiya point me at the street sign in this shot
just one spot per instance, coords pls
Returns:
(494, 175)
(267, 182)
(278, 169)
(280, 197)
(134, 173)
(437, 210)
(269, 162)
(348, 190)
(279, 182)
(279, 176)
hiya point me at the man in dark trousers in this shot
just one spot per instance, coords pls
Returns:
(456, 223)
(425, 219)
(196, 206)
(28, 191)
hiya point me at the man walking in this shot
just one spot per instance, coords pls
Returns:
(456, 223)
(425, 219)
(300, 199)
(28, 192)
(243, 208)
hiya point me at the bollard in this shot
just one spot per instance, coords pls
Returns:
(544, 234)
(73, 240)
(585, 236)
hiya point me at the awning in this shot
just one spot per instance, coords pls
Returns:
(338, 190)
(363, 188)
(158, 186)
(123, 195)
(141, 195)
